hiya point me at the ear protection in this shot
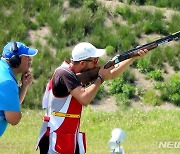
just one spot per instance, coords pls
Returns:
(15, 60)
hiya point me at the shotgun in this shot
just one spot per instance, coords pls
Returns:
(89, 76)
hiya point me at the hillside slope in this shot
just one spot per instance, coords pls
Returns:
(55, 27)
(108, 103)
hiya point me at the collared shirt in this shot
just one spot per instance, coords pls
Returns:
(9, 93)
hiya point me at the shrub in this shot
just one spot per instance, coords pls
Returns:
(156, 75)
(124, 11)
(150, 97)
(100, 92)
(62, 55)
(75, 3)
(35, 93)
(122, 101)
(120, 86)
(78, 25)
(34, 26)
(155, 24)
(128, 90)
(171, 90)
(160, 3)
(158, 85)
(128, 76)
(140, 2)
(144, 65)
(40, 63)
(127, 39)
(165, 3)
(171, 57)
(103, 36)
(110, 50)
(129, 15)
(174, 23)
(157, 57)
(116, 86)
(92, 4)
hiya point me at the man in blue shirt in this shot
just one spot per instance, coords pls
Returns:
(16, 59)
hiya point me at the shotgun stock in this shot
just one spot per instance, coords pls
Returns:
(89, 76)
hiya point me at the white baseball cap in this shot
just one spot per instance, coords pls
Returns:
(86, 50)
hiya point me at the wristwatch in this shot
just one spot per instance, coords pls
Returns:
(101, 78)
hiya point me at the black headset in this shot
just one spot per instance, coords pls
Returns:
(15, 60)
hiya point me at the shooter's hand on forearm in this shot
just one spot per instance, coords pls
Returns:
(141, 53)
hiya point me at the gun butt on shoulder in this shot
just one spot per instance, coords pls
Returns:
(88, 76)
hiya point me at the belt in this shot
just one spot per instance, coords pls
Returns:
(67, 115)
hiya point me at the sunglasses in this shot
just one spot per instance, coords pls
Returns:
(95, 60)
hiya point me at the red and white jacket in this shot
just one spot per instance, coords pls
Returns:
(63, 131)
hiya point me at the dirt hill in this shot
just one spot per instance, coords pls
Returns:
(108, 103)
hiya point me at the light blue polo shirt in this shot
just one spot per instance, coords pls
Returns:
(9, 93)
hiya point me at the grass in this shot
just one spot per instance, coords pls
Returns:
(144, 131)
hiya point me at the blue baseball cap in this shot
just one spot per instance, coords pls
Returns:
(22, 49)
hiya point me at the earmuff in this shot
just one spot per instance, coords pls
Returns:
(15, 60)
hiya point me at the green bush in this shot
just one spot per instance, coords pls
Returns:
(116, 86)
(171, 57)
(129, 15)
(91, 4)
(62, 55)
(34, 26)
(124, 11)
(75, 3)
(140, 2)
(176, 50)
(158, 85)
(33, 99)
(110, 50)
(127, 39)
(122, 101)
(174, 23)
(156, 75)
(128, 76)
(165, 3)
(103, 36)
(120, 86)
(159, 3)
(78, 25)
(150, 97)
(43, 63)
(144, 65)
(128, 90)
(157, 57)
(155, 24)
(100, 93)
(171, 90)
